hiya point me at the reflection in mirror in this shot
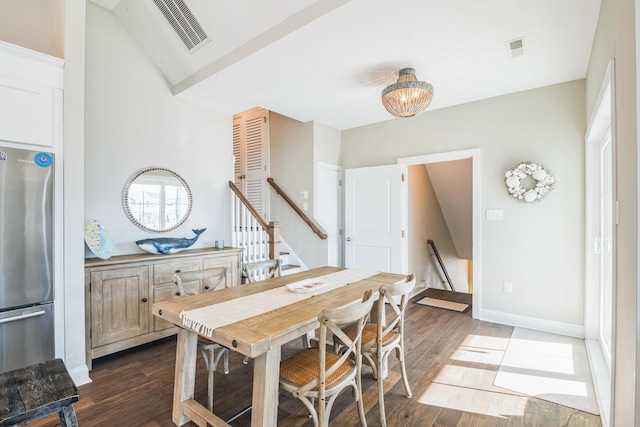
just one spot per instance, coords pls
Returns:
(157, 199)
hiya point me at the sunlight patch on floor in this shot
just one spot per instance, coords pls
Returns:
(550, 367)
(540, 386)
(473, 400)
(483, 341)
(478, 355)
(538, 362)
(464, 385)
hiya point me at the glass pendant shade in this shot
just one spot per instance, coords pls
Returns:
(408, 96)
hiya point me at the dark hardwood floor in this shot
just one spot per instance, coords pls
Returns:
(451, 360)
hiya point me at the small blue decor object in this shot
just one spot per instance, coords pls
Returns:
(168, 245)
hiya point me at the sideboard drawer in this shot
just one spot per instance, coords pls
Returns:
(162, 273)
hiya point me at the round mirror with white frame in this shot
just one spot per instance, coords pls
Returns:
(157, 199)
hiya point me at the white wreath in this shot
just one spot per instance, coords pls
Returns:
(544, 182)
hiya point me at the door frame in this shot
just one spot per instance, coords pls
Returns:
(339, 192)
(601, 122)
(474, 155)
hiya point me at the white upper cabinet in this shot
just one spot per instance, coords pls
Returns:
(30, 96)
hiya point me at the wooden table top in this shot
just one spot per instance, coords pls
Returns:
(256, 335)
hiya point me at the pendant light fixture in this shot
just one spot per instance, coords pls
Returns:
(408, 96)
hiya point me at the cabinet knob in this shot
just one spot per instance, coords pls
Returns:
(144, 300)
(206, 287)
(178, 271)
(178, 294)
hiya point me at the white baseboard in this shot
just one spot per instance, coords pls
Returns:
(80, 376)
(551, 326)
(420, 286)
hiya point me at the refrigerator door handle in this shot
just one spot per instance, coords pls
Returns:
(22, 316)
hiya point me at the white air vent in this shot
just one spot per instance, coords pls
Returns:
(515, 47)
(184, 22)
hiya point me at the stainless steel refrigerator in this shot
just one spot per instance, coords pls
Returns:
(26, 257)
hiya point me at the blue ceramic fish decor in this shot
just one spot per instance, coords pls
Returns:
(168, 245)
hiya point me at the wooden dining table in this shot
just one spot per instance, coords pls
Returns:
(259, 337)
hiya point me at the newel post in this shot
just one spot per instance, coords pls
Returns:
(274, 240)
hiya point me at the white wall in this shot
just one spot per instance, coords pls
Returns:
(426, 222)
(292, 160)
(326, 144)
(133, 121)
(539, 247)
(614, 38)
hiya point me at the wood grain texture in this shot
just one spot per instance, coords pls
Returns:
(134, 388)
(36, 391)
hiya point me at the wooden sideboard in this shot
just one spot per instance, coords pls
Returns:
(120, 292)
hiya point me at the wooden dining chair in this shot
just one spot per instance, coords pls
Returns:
(319, 374)
(261, 270)
(381, 338)
(208, 280)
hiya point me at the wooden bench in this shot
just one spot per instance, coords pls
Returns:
(30, 393)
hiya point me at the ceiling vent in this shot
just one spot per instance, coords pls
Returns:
(515, 47)
(184, 22)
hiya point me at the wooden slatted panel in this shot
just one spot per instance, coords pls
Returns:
(237, 154)
(255, 181)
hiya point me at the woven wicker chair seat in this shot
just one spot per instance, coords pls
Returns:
(368, 334)
(303, 367)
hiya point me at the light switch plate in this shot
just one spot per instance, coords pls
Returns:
(494, 215)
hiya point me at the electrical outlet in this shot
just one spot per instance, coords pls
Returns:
(507, 287)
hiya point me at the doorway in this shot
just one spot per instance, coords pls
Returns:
(474, 156)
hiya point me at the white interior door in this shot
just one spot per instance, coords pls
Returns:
(328, 209)
(376, 218)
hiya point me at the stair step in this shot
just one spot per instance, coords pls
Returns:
(288, 267)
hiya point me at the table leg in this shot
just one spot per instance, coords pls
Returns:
(185, 376)
(266, 374)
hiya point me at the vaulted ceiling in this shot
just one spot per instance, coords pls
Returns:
(328, 60)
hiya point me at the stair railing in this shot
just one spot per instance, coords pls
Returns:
(259, 238)
(316, 229)
(442, 271)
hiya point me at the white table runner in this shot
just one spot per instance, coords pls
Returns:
(205, 319)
